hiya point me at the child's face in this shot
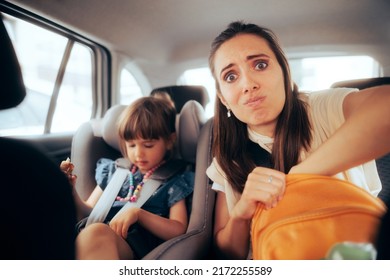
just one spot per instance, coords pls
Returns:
(147, 153)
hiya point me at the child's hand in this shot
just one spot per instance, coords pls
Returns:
(67, 167)
(121, 223)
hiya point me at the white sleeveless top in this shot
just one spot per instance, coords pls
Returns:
(326, 115)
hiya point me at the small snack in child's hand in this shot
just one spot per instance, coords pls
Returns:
(67, 166)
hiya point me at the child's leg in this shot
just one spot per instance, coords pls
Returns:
(99, 242)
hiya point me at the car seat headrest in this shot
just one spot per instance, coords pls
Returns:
(109, 129)
(190, 121)
(181, 94)
(12, 90)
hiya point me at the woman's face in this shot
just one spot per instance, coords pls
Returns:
(251, 82)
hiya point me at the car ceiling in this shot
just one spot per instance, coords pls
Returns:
(158, 35)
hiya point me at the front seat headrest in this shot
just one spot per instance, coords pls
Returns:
(12, 90)
(181, 94)
(362, 83)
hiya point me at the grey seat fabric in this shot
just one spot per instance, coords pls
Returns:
(196, 243)
(89, 145)
(98, 138)
(382, 163)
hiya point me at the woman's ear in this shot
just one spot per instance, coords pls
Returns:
(223, 101)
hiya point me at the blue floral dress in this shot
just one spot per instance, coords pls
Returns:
(174, 189)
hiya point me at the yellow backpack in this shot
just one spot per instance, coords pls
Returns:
(315, 213)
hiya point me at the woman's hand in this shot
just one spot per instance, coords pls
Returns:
(121, 223)
(263, 185)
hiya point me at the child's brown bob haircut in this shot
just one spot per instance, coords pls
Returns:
(147, 118)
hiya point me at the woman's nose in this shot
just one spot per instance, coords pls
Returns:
(249, 83)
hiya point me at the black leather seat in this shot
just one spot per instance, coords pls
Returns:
(36, 203)
(362, 83)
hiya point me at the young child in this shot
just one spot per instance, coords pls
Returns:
(147, 137)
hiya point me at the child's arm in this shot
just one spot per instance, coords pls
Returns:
(83, 208)
(164, 228)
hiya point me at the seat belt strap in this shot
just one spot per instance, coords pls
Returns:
(150, 186)
(103, 206)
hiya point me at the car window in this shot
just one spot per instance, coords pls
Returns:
(129, 88)
(57, 73)
(201, 76)
(316, 73)
(75, 96)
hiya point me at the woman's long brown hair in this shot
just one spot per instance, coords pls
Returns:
(293, 129)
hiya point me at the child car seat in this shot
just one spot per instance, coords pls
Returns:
(98, 138)
(196, 243)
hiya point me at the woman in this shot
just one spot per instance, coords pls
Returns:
(264, 128)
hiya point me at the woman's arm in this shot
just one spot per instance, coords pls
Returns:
(164, 228)
(364, 135)
(232, 231)
(231, 234)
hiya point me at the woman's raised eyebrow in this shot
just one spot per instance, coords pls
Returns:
(226, 67)
(250, 57)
